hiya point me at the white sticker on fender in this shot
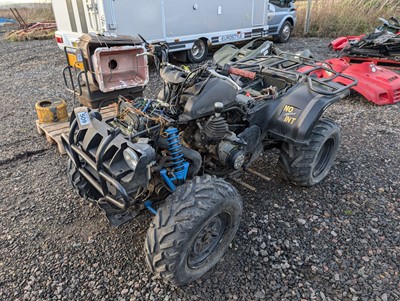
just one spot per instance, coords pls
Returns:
(83, 118)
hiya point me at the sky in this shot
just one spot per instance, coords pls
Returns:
(3, 2)
(19, 3)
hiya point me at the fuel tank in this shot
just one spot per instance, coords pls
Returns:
(199, 100)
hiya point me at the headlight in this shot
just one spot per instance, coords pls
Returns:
(131, 158)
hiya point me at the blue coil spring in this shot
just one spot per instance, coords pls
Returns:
(175, 150)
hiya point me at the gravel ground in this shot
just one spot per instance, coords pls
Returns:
(338, 240)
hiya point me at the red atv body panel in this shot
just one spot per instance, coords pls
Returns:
(381, 62)
(339, 43)
(375, 83)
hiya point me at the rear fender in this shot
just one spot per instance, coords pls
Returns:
(292, 117)
(376, 84)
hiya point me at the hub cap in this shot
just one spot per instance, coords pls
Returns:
(286, 32)
(198, 49)
(208, 240)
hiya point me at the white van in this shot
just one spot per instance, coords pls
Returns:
(281, 19)
(188, 27)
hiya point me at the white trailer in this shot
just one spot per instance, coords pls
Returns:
(186, 26)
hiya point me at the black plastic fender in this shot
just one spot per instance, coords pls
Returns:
(292, 116)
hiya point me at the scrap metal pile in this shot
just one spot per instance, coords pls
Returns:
(30, 31)
(37, 31)
(381, 44)
(384, 41)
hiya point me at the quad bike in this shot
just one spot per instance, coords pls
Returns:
(173, 154)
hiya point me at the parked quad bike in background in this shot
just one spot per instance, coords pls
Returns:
(175, 152)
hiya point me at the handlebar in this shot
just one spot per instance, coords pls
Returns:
(244, 73)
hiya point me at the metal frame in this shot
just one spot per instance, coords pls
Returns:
(298, 62)
(78, 76)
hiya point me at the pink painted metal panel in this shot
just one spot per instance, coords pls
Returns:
(119, 67)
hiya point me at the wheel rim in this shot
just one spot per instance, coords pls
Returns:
(207, 241)
(323, 157)
(286, 32)
(198, 49)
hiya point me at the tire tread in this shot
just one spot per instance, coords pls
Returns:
(170, 229)
(296, 166)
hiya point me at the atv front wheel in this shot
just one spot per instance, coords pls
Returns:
(307, 165)
(80, 184)
(193, 229)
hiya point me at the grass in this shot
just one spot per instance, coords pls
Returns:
(348, 212)
(17, 35)
(40, 13)
(37, 12)
(333, 18)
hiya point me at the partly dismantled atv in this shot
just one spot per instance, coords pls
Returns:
(173, 152)
(382, 42)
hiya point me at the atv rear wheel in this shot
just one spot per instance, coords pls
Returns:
(80, 184)
(307, 165)
(193, 229)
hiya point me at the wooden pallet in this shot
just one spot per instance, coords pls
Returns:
(52, 131)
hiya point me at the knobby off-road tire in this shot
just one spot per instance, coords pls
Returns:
(307, 165)
(193, 229)
(84, 189)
